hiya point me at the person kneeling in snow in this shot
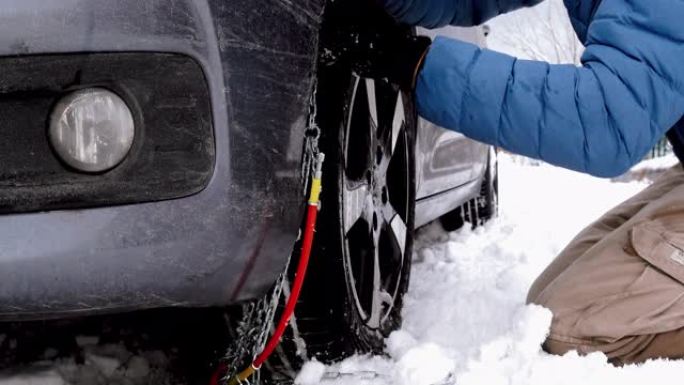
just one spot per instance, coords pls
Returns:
(618, 287)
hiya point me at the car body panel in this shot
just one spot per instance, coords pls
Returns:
(228, 242)
(445, 159)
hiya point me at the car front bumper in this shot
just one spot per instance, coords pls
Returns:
(223, 244)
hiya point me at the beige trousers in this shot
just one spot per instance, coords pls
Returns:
(618, 287)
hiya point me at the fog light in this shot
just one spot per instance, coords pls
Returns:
(91, 130)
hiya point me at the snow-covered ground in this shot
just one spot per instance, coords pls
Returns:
(465, 320)
(102, 364)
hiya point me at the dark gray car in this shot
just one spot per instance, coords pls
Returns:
(182, 183)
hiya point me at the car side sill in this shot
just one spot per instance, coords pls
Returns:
(434, 206)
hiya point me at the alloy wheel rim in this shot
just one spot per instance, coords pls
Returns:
(375, 199)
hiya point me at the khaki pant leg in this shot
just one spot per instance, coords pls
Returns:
(629, 350)
(624, 294)
(610, 221)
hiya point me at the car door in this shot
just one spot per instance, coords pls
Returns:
(446, 159)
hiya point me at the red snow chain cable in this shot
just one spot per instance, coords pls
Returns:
(309, 227)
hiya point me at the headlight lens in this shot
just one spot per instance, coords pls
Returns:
(91, 130)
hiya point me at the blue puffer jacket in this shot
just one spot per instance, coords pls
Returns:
(599, 118)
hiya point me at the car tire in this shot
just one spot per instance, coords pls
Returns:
(361, 258)
(477, 211)
(359, 269)
(360, 266)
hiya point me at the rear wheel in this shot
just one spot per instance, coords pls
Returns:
(482, 208)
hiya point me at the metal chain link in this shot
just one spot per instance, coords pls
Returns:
(259, 313)
(312, 135)
(255, 325)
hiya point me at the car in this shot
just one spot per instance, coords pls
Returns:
(156, 154)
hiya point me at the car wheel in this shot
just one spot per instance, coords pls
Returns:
(376, 208)
(359, 270)
(488, 200)
(485, 206)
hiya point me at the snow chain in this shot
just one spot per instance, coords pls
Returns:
(250, 334)
(257, 313)
(312, 135)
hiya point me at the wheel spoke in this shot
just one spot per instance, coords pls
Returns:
(375, 301)
(359, 145)
(396, 178)
(399, 230)
(393, 131)
(356, 203)
(396, 224)
(381, 298)
(397, 121)
(372, 102)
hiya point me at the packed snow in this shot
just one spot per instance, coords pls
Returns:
(465, 318)
(102, 364)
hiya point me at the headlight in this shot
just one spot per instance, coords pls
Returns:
(91, 130)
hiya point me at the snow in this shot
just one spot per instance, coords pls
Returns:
(542, 33)
(102, 364)
(660, 163)
(465, 317)
(311, 374)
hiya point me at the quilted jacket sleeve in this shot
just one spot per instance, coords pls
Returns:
(438, 13)
(599, 118)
